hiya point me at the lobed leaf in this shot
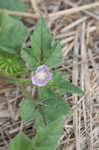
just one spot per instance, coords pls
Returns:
(54, 59)
(64, 85)
(29, 58)
(20, 142)
(42, 51)
(47, 138)
(12, 34)
(27, 110)
(54, 106)
(41, 40)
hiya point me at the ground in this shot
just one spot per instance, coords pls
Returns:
(78, 33)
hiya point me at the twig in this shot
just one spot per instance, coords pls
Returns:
(73, 24)
(34, 5)
(85, 84)
(76, 113)
(22, 14)
(57, 14)
(86, 93)
(74, 10)
(68, 49)
(93, 63)
(85, 11)
(67, 40)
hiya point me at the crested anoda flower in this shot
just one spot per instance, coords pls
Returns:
(41, 76)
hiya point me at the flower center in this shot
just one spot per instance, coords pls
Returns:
(41, 75)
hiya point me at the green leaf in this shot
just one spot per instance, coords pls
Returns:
(20, 142)
(64, 85)
(12, 34)
(54, 106)
(39, 122)
(29, 58)
(41, 40)
(55, 58)
(47, 138)
(27, 110)
(15, 5)
(42, 51)
(11, 64)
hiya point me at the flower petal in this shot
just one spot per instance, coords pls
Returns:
(42, 67)
(34, 79)
(49, 76)
(37, 82)
(43, 83)
(42, 75)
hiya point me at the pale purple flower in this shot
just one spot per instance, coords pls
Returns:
(41, 76)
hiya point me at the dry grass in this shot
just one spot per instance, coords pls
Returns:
(79, 36)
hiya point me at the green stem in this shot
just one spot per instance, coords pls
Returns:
(36, 97)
